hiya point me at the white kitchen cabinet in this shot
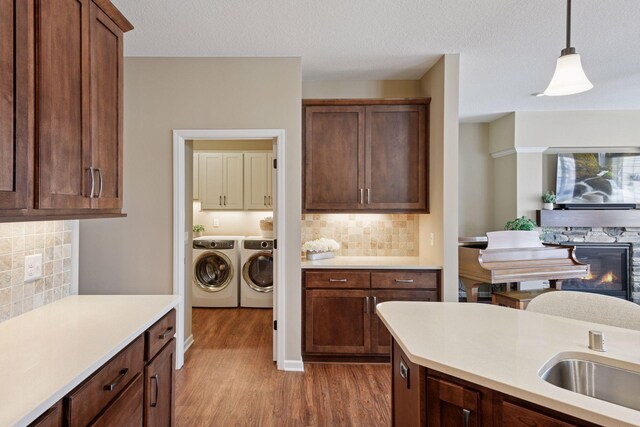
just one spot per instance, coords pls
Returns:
(221, 181)
(196, 176)
(258, 179)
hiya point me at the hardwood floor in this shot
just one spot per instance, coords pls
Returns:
(229, 379)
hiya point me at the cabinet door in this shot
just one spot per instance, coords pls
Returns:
(126, 409)
(334, 158)
(211, 180)
(451, 405)
(380, 336)
(106, 110)
(337, 321)
(159, 396)
(16, 106)
(396, 157)
(62, 75)
(233, 191)
(514, 415)
(271, 172)
(196, 177)
(256, 182)
(52, 418)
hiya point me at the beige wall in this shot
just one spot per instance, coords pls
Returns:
(236, 223)
(476, 180)
(504, 190)
(361, 89)
(441, 83)
(134, 255)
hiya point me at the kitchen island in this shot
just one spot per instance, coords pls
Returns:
(48, 352)
(488, 358)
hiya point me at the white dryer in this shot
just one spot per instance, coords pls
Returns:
(256, 284)
(215, 272)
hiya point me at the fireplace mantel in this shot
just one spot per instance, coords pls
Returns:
(588, 218)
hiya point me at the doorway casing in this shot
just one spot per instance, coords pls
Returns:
(180, 235)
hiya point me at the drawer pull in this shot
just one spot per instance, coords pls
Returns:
(155, 402)
(114, 384)
(165, 333)
(404, 280)
(338, 280)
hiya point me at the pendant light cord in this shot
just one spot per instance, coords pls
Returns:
(568, 24)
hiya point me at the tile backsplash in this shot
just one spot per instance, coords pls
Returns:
(52, 239)
(365, 234)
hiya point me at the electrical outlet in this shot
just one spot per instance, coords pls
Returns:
(32, 267)
(216, 222)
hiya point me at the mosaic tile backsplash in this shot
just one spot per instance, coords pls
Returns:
(365, 234)
(52, 239)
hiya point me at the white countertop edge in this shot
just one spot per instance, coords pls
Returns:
(372, 263)
(591, 410)
(62, 392)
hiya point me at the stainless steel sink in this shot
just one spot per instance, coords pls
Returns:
(604, 382)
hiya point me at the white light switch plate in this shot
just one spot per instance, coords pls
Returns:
(32, 267)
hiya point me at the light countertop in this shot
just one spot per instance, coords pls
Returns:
(371, 262)
(47, 352)
(503, 349)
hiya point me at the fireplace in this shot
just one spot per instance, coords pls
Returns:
(610, 269)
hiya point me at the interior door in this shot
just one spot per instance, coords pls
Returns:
(211, 180)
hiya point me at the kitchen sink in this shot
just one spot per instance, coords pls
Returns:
(595, 379)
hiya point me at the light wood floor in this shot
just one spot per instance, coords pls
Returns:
(229, 379)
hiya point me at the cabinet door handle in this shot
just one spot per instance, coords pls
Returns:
(366, 305)
(225, 200)
(269, 200)
(338, 280)
(93, 182)
(219, 200)
(465, 417)
(114, 384)
(368, 196)
(404, 280)
(99, 182)
(362, 196)
(264, 200)
(155, 402)
(165, 333)
(375, 302)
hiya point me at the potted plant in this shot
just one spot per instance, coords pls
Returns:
(548, 199)
(523, 224)
(198, 229)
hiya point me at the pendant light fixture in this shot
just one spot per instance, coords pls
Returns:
(569, 77)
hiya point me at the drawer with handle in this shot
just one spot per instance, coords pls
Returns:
(337, 279)
(403, 279)
(158, 335)
(88, 400)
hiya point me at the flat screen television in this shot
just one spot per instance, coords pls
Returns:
(598, 179)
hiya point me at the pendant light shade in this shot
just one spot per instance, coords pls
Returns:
(569, 77)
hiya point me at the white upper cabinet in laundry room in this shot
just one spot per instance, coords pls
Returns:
(221, 181)
(258, 181)
(196, 176)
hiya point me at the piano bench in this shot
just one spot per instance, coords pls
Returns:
(517, 299)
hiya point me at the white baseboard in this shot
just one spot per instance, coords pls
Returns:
(294, 365)
(188, 342)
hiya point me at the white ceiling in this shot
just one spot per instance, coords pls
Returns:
(507, 48)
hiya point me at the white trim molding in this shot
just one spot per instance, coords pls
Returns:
(294, 365)
(188, 343)
(180, 200)
(518, 150)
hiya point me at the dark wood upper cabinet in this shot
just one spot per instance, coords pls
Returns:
(16, 107)
(366, 155)
(61, 121)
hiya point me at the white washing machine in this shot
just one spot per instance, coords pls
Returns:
(216, 277)
(256, 283)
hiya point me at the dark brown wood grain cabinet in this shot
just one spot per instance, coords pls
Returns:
(159, 396)
(366, 155)
(339, 310)
(425, 397)
(61, 129)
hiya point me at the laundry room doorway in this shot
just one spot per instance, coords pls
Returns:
(261, 196)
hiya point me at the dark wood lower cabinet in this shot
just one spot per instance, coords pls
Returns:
(424, 397)
(159, 396)
(126, 409)
(52, 418)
